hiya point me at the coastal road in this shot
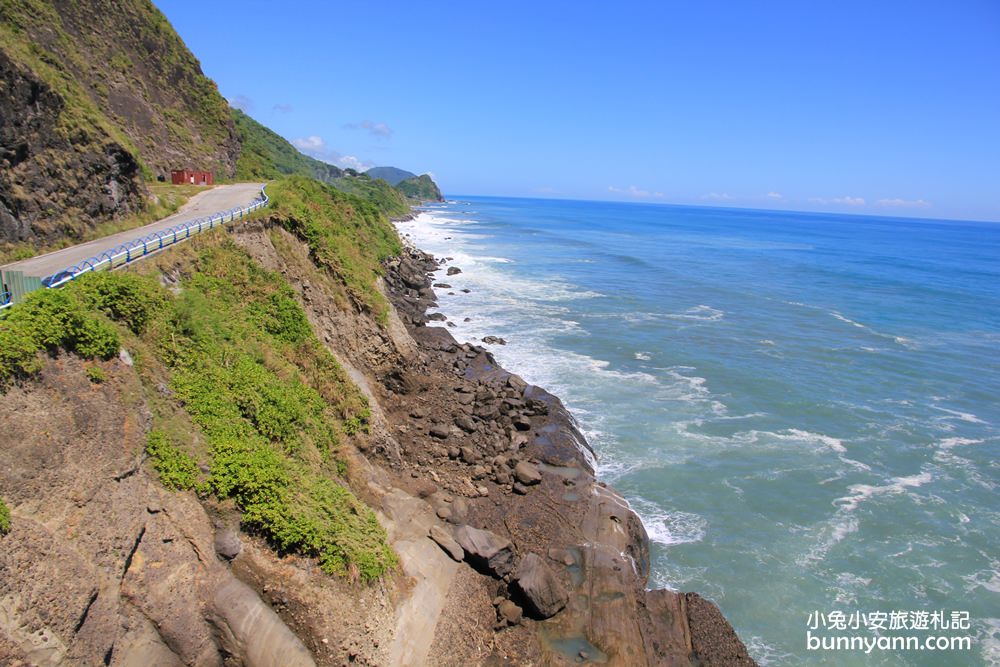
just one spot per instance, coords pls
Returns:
(218, 199)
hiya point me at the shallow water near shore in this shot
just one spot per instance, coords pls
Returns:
(803, 408)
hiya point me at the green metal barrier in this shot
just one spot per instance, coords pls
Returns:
(16, 285)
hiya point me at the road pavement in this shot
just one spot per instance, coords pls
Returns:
(218, 199)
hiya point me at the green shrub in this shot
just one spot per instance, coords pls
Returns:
(282, 317)
(177, 469)
(49, 320)
(4, 518)
(96, 374)
(272, 403)
(348, 235)
(125, 297)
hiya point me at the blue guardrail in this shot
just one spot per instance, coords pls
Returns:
(146, 245)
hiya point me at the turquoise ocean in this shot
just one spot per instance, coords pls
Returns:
(803, 408)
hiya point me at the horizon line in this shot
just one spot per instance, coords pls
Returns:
(732, 208)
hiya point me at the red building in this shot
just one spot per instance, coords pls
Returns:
(188, 177)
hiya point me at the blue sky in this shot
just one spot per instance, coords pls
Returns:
(888, 108)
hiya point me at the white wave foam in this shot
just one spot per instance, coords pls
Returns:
(988, 579)
(765, 654)
(845, 522)
(945, 455)
(958, 414)
(642, 356)
(989, 640)
(862, 492)
(834, 444)
(691, 389)
(848, 587)
(900, 340)
(951, 443)
(667, 527)
(700, 313)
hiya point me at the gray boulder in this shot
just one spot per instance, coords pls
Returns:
(228, 544)
(486, 550)
(527, 473)
(446, 542)
(542, 590)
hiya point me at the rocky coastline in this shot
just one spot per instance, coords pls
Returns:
(510, 551)
(512, 478)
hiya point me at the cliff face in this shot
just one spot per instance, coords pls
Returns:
(420, 187)
(508, 550)
(98, 95)
(55, 178)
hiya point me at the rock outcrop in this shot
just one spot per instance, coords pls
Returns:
(96, 97)
(486, 550)
(540, 587)
(103, 565)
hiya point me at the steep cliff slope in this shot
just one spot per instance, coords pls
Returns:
(98, 97)
(421, 187)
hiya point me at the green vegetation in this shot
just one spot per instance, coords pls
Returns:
(46, 321)
(274, 406)
(420, 187)
(266, 154)
(347, 235)
(177, 469)
(386, 198)
(243, 366)
(4, 518)
(96, 374)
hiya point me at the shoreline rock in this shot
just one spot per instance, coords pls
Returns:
(526, 474)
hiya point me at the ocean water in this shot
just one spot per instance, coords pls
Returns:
(803, 408)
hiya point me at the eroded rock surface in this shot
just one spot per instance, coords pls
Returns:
(103, 565)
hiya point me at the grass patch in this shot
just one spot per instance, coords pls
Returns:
(96, 374)
(177, 469)
(347, 235)
(4, 518)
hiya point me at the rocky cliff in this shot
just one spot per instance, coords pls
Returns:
(282, 378)
(97, 97)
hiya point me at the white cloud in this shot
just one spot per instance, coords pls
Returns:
(774, 195)
(635, 192)
(351, 162)
(241, 102)
(904, 203)
(313, 144)
(380, 130)
(717, 196)
(842, 201)
(316, 147)
(283, 108)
